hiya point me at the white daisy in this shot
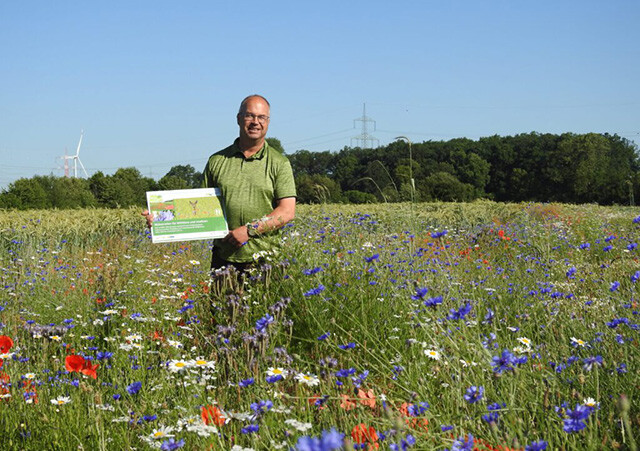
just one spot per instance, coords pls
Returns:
(202, 363)
(578, 342)
(307, 379)
(298, 425)
(161, 433)
(590, 402)
(178, 365)
(432, 353)
(525, 341)
(60, 400)
(109, 312)
(277, 372)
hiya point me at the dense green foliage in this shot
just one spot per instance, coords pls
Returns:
(589, 168)
(126, 187)
(571, 168)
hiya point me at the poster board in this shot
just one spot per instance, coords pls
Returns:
(186, 215)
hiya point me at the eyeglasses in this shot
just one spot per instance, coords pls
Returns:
(253, 117)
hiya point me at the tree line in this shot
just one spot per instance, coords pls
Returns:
(571, 168)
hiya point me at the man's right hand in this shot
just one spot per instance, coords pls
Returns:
(149, 217)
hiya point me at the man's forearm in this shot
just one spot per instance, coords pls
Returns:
(275, 220)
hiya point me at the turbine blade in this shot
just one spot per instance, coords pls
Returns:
(79, 143)
(83, 169)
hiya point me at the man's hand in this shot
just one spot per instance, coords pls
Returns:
(149, 217)
(237, 237)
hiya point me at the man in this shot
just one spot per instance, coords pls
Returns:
(257, 186)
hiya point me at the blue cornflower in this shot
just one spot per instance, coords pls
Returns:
(446, 427)
(536, 446)
(315, 291)
(104, 355)
(488, 318)
(415, 410)
(345, 372)
(460, 313)
(347, 346)
(324, 336)
(134, 388)
(616, 322)
(607, 248)
(491, 417)
(359, 380)
(571, 272)
(261, 407)
(440, 234)
(171, 444)
(474, 394)
(575, 421)
(636, 220)
(329, 441)
(404, 443)
(420, 294)
(614, 286)
(246, 382)
(310, 272)
(590, 362)
(632, 246)
(250, 429)
(150, 418)
(372, 258)
(622, 368)
(635, 277)
(585, 246)
(504, 362)
(496, 406)
(264, 322)
(463, 444)
(433, 302)
(275, 378)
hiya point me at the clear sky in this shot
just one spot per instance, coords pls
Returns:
(158, 83)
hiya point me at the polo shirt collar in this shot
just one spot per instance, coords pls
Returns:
(256, 156)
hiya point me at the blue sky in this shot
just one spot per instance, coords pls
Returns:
(157, 83)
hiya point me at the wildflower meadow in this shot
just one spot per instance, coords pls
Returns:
(433, 326)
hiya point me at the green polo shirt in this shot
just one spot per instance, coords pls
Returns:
(250, 188)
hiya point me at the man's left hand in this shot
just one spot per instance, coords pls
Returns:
(237, 237)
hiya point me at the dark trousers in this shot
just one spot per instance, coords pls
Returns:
(218, 263)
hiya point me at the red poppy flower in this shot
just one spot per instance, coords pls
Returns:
(4, 383)
(362, 434)
(212, 415)
(78, 364)
(6, 343)
(73, 363)
(367, 398)
(346, 403)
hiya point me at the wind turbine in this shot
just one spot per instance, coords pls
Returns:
(76, 159)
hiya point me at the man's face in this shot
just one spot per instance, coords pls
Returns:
(254, 120)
